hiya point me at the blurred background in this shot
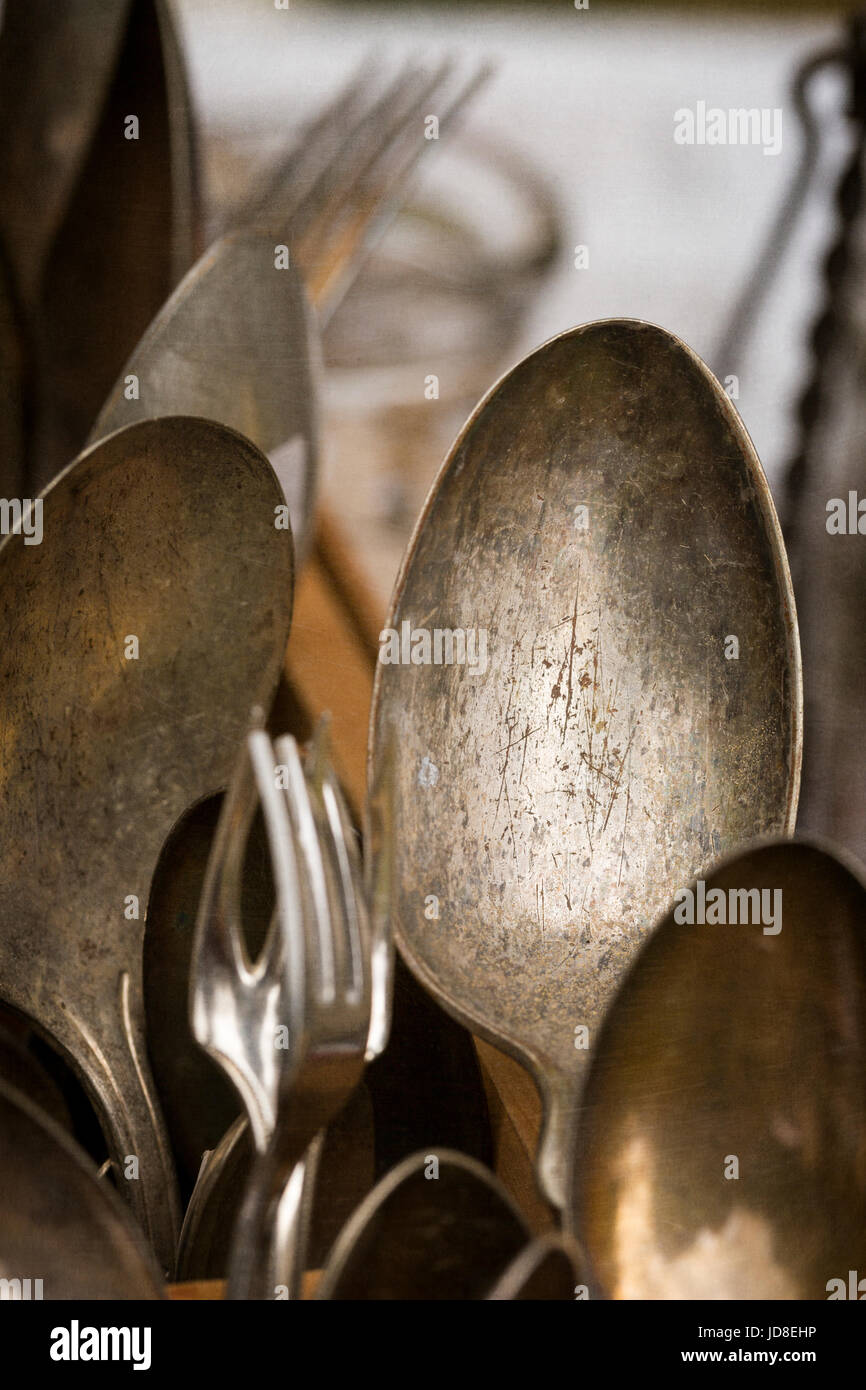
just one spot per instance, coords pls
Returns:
(576, 121)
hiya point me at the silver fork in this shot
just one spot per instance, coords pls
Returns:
(313, 978)
(336, 204)
(205, 1210)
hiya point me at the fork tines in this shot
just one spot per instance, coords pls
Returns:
(317, 954)
(338, 188)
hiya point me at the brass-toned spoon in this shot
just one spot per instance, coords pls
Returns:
(723, 1130)
(438, 1226)
(138, 634)
(63, 1233)
(592, 674)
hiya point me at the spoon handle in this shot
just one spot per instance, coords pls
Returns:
(556, 1145)
(115, 1072)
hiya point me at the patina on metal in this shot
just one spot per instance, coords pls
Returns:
(734, 1044)
(438, 1226)
(234, 343)
(165, 533)
(58, 1223)
(604, 526)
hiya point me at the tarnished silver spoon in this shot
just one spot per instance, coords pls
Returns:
(138, 631)
(591, 672)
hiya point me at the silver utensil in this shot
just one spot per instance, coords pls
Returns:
(291, 1030)
(438, 1226)
(63, 1233)
(723, 1126)
(591, 671)
(159, 556)
(235, 342)
(546, 1269)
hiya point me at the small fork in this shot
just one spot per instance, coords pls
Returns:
(313, 979)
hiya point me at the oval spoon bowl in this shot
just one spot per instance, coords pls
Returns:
(592, 676)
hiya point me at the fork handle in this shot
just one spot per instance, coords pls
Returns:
(270, 1236)
(291, 1239)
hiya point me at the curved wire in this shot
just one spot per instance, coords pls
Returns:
(745, 313)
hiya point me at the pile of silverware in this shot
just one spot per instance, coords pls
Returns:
(582, 780)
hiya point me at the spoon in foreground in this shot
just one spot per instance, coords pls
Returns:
(153, 612)
(592, 676)
(723, 1128)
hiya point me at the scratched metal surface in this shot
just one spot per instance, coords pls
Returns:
(235, 344)
(166, 531)
(725, 1042)
(554, 803)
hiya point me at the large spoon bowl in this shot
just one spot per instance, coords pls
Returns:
(722, 1140)
(58, 1222)
(603, 521)
(137, 636)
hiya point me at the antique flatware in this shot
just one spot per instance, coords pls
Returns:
(99, 208)
(293, 1028)
(63, 1233)
(723, 1127)
(545, 1269)
(198, 1101)
(345, 1174)
(591, 672)
(260, 374)
(154, 609)
(438, 1226)
(234, 343)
